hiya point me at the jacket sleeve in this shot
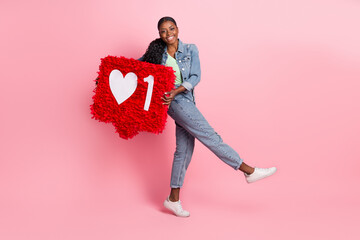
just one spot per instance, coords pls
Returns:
(195, 71)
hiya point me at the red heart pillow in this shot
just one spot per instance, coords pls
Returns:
(127, 96)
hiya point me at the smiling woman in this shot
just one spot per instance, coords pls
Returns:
(169, 50)
(169, 34)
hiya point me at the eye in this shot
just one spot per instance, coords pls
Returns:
(172, 29)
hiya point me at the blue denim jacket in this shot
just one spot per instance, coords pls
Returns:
(187, 57)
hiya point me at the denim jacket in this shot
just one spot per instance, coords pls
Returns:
(187, 58)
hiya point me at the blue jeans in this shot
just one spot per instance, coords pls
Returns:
(191, 124)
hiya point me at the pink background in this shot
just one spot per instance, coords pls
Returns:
(280, 84)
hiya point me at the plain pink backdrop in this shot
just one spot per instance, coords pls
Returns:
(280, 84)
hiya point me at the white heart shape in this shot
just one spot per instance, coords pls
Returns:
(122, 88)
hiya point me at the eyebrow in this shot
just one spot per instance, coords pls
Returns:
(165, 28)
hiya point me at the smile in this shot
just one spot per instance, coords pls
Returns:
(170, 38)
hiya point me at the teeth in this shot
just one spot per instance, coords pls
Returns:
(169, 38)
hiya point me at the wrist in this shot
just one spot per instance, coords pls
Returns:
(179, 89)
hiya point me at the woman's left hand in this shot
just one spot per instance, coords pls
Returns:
(170, 97)
(172, 94)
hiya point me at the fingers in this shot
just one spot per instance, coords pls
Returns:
(167, 101)
(168, 97)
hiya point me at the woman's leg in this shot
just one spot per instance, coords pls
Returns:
(174, 194)
(182, 157)
(187, 115)
(184, 149)
(246, 168)
(192, 123)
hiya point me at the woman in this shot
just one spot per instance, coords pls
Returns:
(190, 123)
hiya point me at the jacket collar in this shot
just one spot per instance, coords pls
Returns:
(180, 46)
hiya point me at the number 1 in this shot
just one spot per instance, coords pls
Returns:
(150, 81)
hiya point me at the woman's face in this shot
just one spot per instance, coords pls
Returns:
(168, 32)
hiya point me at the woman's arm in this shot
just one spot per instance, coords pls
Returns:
(195, 70)
(191, 82)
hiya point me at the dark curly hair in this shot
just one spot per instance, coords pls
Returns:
(156, 48)
(155, 51)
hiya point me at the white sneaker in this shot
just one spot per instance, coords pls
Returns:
(259, 173)
(176, 208)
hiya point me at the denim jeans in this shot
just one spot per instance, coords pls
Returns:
(191, 124)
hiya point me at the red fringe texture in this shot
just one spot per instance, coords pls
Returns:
(130, 118)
